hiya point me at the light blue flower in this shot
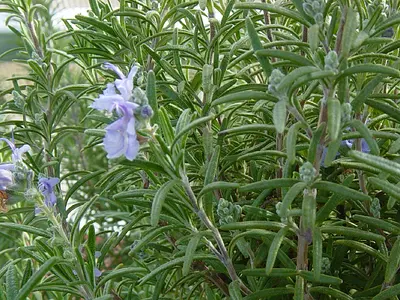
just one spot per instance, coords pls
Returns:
(6, 178)
(111, 99)
(7, 169)
(16, 152)
(46, 187)
(121, 138)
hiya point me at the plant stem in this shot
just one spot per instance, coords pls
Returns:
(223, 253)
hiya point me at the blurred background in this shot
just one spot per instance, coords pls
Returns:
(58, 10)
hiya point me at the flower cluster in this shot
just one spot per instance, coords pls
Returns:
(331, 61)
(121, 97)
(228, 212)
(307, 172)
(11, 173)
(274, 81)
(315, 9)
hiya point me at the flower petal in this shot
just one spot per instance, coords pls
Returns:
(114, 68)
(107, 102)
(114, 140)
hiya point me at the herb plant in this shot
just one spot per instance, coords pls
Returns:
(178, 149)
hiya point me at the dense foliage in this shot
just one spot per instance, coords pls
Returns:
(179, 149)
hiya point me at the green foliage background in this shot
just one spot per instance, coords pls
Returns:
(221, 201)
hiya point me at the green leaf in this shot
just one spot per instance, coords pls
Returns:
(366, 134)
(299, 288)
(191, 126)
(256, 44)
(273, 249)
(12, 282)
(37, 277)
(353, 232)
(151, 93)
(279, 116)
(317, 253)
(342, 190)
(26, 228)
(363, 248)
(279, 10)
(158, 201)
(290, 196)
(285, 55)
(370, 68)
(334, 118)
(80, 183)
(367, 90)
(336, 294)
(170, 264)
(378, 223)
(378, 162)
(290, 78)
(388, 293)
(349, 32)
(268, 184)
(218, 185)
(244, 95)
(234, 290)
(291, 141)
(189, 254)
(393, 262)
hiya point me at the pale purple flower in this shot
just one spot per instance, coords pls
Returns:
(111, 99)
(121, 138)
(97, 272)
(6, 178)
(124, 84)
(46, 187)
(16, 152)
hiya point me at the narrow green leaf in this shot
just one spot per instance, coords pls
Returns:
(291, 141)
(336, 294)
(219, 185)
(279, 116)
(317, 253)
(378, 162)
(286, 55)
(234, 290)
(273, 249)
(349, 31)
(353, 232)
(367, 90)
(12, 285)
(378, 223)
(334, 118)
(256, 44)
(388, 293)
(268, 184)
(366, 134)
(243, 95)
(37, 277)
(313, 37)
(151, 92)
(342, 190)
(80, 182)
(290, 78)
(393, 262)
(279, 10)
(189, 254)
(26, 228)
(299, 288)
(370, 68)
(158, 201)
(191, 126)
